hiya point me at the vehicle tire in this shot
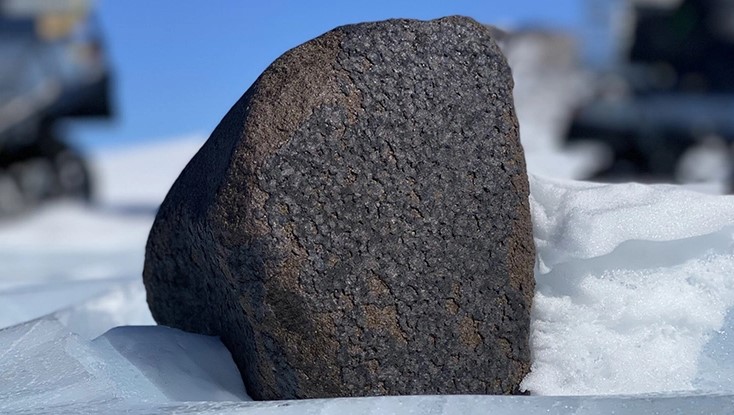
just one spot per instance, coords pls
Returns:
(11, 198)
(73, 175)
(35, 179)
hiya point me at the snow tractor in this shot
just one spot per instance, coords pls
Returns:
(52, 67)
(670, 93)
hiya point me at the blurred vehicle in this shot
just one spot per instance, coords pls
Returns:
(672, 91)
(51, 67)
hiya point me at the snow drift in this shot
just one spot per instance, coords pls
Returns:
(632, 282)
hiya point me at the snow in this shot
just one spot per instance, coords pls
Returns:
(584, 220)
(123, 304)
(632, 311)
(633, 281)
(67, 253)
(633, 295)
(653, 305)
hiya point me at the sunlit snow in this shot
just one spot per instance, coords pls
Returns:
(631, 312)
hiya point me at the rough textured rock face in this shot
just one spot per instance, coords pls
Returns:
(358, 223)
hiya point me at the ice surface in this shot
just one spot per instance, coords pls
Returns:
(183, 366)
(47, 368)
(468, 405)
(67, 227)
(141, 370)
(43, 365)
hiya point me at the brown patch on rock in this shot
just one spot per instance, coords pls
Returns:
(469, 334)
(384, 320)
(452, 306)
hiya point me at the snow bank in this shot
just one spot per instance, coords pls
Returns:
(632, 282)
(584, 220)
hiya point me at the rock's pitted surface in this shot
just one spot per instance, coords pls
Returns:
(358, 223)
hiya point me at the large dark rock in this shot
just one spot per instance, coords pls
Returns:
(358, 223)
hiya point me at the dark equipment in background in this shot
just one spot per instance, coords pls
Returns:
(51, 67)
(673, 91)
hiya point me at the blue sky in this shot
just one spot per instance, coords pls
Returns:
(180, 65)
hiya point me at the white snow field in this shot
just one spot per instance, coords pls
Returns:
(631, 314)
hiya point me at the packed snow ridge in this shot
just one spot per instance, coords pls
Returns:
(633, 282)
